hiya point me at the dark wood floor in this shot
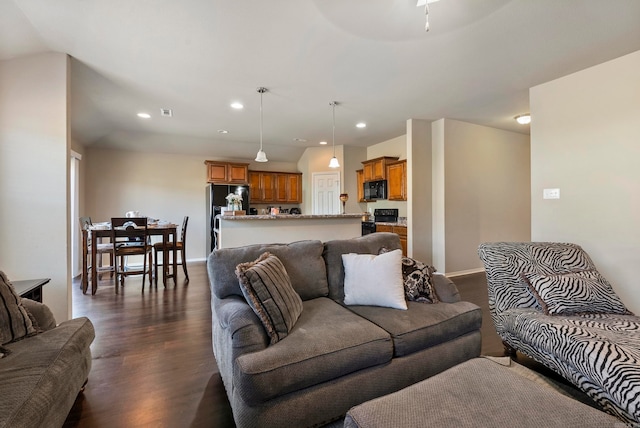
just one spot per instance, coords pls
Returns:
(153, 362)
(473, 288)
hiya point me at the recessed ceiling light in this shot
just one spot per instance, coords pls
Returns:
(144, 115)
(523, 119)
(237, 106)
(223, 131)
(361, 125)
(323, 143)
(423, 2)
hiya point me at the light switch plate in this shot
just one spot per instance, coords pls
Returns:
(551, 194)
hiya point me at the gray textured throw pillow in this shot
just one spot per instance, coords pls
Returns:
(267, 288)
(574, 293)
(14, 319)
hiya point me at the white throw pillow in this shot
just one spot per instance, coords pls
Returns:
(374, 280)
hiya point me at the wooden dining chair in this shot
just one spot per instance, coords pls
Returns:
(180, 248)
(101, 249)
(130, 238)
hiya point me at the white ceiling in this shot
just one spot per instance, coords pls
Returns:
(372, 56)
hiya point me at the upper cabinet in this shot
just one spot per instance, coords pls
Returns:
(360, 181)
(262, 187)
(227, 172)
(376, 169)
(294, 187)
(397, 180)
(282, 187)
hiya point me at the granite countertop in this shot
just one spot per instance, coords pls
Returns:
(387, 223)
(289, 216)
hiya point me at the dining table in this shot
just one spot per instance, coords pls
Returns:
(167, 231)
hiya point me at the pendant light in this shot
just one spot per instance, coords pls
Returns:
(261, 156)
(333, 163)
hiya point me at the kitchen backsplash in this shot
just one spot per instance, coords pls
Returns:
(383, 203)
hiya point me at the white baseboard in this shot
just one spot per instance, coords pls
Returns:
(464, 272)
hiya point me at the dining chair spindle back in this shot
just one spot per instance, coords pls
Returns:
(180, 248)
(130, 237)
(101, 249)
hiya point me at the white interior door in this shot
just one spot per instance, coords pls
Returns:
(326, 193)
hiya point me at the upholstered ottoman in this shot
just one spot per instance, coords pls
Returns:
(486, 392)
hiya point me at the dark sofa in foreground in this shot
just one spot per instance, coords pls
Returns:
(41, 375)
(335, 356)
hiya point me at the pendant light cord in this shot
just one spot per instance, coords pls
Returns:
(426, 12)
(333, 163)
(261, 92)
(334, 128)
(261, 156)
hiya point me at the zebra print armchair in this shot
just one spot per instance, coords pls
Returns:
(596, 350)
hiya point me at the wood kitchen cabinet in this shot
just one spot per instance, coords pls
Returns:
(227, 172)
(397, 181)
(268, 187)
(360, 181)
(401, 231)
(294, 188)
(262, 187)
(375, 169)
(289, 188)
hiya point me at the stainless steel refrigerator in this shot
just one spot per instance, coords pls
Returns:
(216, 199)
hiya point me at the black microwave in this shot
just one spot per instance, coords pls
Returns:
(375, 189)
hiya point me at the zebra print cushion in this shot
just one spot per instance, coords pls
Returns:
(599, 353)
(574, 293)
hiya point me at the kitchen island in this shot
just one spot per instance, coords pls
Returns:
(239, 230)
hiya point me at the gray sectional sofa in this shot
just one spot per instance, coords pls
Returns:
(335, 356)
(41, 375)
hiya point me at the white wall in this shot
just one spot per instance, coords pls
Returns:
(482, 191)
(585, 133)
(419, 190)
(34, 160)
(162, 186)
(438, 195)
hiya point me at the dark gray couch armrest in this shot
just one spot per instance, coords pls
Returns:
(445, 289)
(42, 314)
(241, 325)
